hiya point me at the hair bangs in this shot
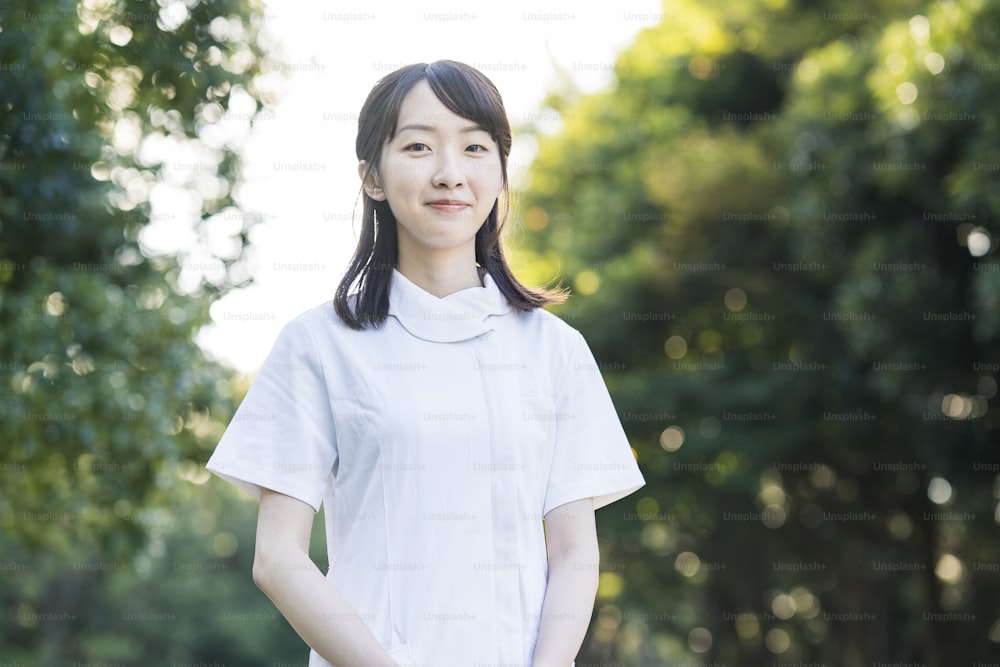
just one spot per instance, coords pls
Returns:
(469, 94)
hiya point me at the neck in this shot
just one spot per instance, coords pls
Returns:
(439, 277)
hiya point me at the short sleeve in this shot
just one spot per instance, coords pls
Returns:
(592, 455)
(282, 436)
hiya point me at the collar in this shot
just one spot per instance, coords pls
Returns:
(459, 316)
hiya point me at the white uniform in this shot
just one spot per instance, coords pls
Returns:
(437, 444)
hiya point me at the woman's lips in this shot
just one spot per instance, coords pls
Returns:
(448, 206)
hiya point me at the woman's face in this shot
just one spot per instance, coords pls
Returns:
(440, 173)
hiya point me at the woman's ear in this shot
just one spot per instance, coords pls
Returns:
(370, 182)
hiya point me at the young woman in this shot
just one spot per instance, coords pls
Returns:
(437, 412)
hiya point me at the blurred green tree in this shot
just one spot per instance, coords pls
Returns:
(782, 221)
(107, 112)
(185, 597)
(104, 108)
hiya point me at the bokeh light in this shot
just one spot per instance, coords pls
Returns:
(676, 347)
(735, 299)
(939, 490)
(700, 640)
(672, 438)
(949, 569)
(777, 640)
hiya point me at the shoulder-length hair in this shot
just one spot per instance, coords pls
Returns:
(471, 95)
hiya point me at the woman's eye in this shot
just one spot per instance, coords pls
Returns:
(416, 147)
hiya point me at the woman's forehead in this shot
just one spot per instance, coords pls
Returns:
(421, 109)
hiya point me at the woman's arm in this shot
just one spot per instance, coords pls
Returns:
(571, 541)
(283, 570)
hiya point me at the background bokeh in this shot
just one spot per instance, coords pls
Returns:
(779, 221)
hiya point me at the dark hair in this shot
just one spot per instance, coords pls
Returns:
(469, 94)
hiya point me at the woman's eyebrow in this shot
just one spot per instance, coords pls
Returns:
(429, 128)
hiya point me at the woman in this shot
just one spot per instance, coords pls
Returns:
(436, 411)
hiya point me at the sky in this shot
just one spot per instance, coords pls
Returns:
(300, 170)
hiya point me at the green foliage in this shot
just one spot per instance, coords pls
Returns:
(108, 402)
(109, 407)
(785, 262)
(185, 597)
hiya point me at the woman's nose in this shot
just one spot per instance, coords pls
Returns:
(448, 173)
